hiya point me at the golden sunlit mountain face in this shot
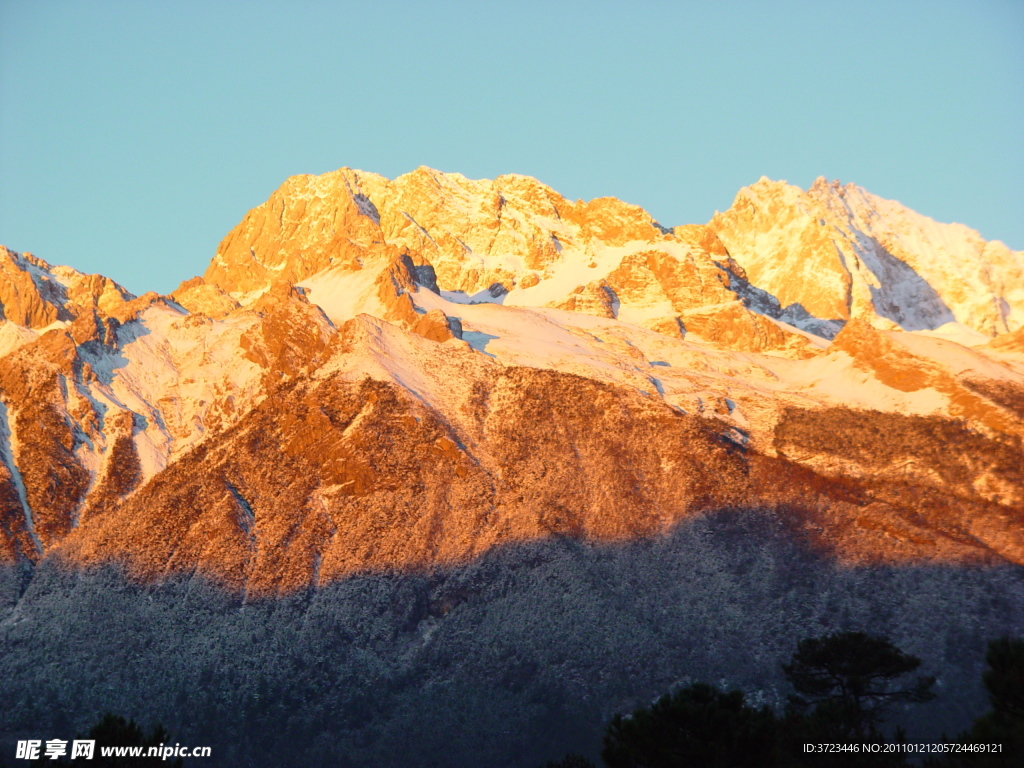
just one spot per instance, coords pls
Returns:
(439, 366)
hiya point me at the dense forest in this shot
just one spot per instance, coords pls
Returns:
(521, 657)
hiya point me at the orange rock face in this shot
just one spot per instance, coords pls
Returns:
(34, 295)
(330, 478)
(26, 302)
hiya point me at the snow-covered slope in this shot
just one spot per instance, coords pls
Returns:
(839, 252)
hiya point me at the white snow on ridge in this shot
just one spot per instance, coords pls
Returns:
(835, 379)
(8, 449)
(14, 336)
(480, 297)
(873, 259)
(517, 336)
(176, 373)
(946, 271)
(578, 267)
(954, 357)
(342, 293)
(959, 333)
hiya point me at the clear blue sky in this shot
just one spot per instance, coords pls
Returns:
(134, 135)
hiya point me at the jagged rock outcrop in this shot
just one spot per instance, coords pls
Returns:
(512, 238)
(41, 441)
(200, 297)
(839, 252)
(35, 295)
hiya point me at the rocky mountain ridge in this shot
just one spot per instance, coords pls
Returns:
(440, 289)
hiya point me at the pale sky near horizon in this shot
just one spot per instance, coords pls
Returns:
(134, 134)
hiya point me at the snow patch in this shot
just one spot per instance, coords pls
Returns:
(14, 336)
(343, 293)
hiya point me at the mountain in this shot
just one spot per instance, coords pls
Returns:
(839, 253)
(392, 415)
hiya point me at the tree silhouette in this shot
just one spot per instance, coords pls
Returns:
(115, 731)
(1004, 724)
(697, 726)
(1004, 678)
(851, 680)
